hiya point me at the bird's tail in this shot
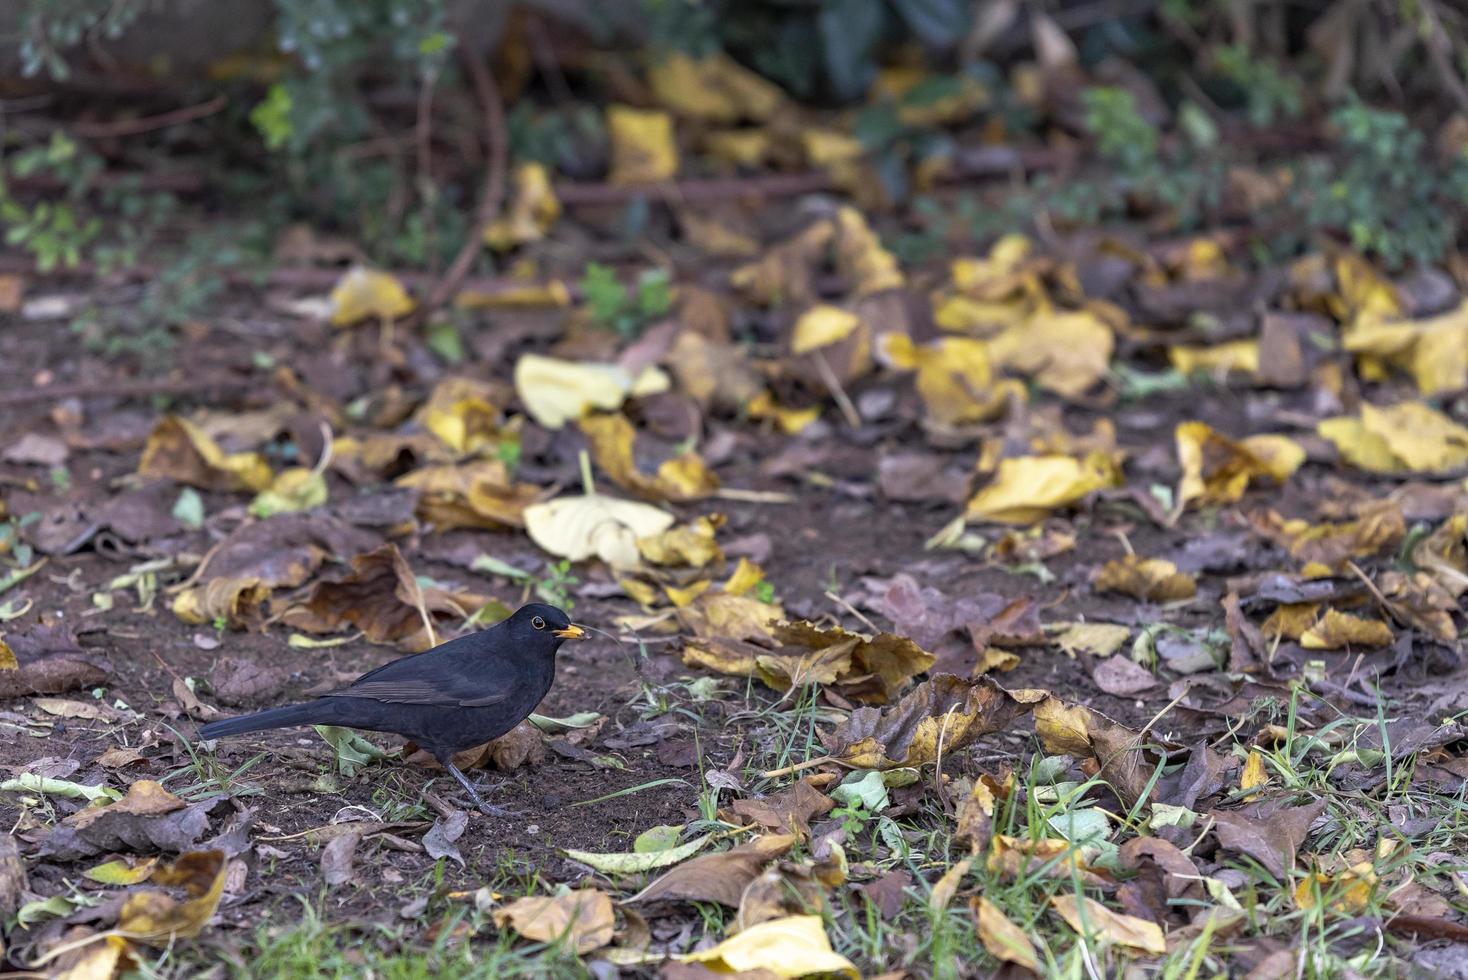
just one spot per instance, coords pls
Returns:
(309, 713)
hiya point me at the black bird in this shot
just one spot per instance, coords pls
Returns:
(458, 695)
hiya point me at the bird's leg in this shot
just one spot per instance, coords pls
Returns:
(447, 761)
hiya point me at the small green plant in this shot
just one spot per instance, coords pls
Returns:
(55, 232)
(555, 586)
(612, 306)
(1268, 93)
(764, 591)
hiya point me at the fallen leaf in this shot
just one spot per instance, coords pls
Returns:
(720, 877)
(1089, 917)
(119, 872)
(791, 947)
(1099, 639)
(1148, 579)
(1240, 356)
(1002, 938)
(1122, 677)
(682, 478)
(1266, 831)
(364, 293)
(237, 602)
(1076, 730)
(1434, 351)
(155, 918)
(1067, 352)
(479, 494)
(440, 841)
(555, 392)
(532, 211)
(293, 489)
(592, 525)
(1025, 490)
(1337, 630)
(582, 918)
(947, 886)
(337, 859)
(955, 377)
(1217, 470)
(1016, 858)
(179, 450)
(1409, 437)
(637, 862)
(947, 708)
(713, 87)
(642, 145)
(786, 812)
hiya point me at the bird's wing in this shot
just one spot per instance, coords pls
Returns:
(422, 679)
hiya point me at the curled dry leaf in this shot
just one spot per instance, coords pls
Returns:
(479, 494)
(1089, 917)
(944, 708)
(1342, 631)
(592, 525)
(179, 450)
(237, 602)
(1002, 938)
(794, 946)
(533, 209)
(383, 599)
(691, 545)
(681, 478)
(1026, 489)
(148, 818)
(364, 293)
(582, 918)
(1148, 579)
(720, 877)
(1076, 730)
(555, 392)
(1217, 470)
(954, 377)
(1021, 857)
(637, 862)
(788, 811)
(156, 918)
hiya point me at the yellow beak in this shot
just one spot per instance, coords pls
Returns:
(572, 632)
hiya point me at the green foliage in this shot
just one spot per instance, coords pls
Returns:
(1123, 138)
(47, 27)
(1383, 189)
(611, 305)
(55, 232)
(555, 587)
(1268, 93)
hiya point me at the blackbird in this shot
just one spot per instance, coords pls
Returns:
(460, 694)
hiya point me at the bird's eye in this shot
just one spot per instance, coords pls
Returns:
(538, 623)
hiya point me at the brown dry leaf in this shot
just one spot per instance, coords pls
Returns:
(714, 88)
(583, 918)
(382, 598)
(680, 479)
(954, 377)
(1217, 470)
(1019, 857)
(464, 415)
(786, 812)
(179, 450)
(1266, 831)
(1340, 631)
(1148, 579)
(1076, 730)
(1025, 490)
(719, 878)
(1378, 529)
(1444, 554)
(1409, 437)
(643, 148)
(479, 494)
(237, 602)
(974, 822)
(785, 274)
(945, 708)
(947, 885)
(1002, 938)
(784, 889)
(1089, 917)
(1122, 677)
(364, 293)
(533, 210)
(791, 947)
(286, 550)
(714, 373)
(156, 918)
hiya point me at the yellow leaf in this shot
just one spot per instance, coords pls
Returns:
(822, 325)
(1364, 293)
(691, 545)
(477, 494)
(1002, 938)
(1217, 469)
(1407, 437)
(119, 872)
(1001, 275)
(1027, 489)
(794, 946)
(745, 577)
(155, 918)
(99, 961)
(582, 918)
(364, 293)
(954, 377)
(1089, 917)
(1236, 355)
(554, 391)
(236, 601)
(293, 489)
(1254, 774)
(714, 87)
(643, 148)
(741, 147)
(1350, 891)
(463, 417)
(860, 256)
(1067, 352)
(1291, 620)
(1098, 639)
(789, 420)
(179, 450)
(947, 886)
(533, 210)
(587, 525)
(1149, 579)
(1337, 630)
(682, 478)
(552, 294)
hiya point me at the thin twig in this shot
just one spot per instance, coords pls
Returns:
(149, 124)
(111, 388)
(833, 385)
(497, 142)
(841, 601)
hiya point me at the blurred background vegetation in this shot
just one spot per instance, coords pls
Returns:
(127, 123)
